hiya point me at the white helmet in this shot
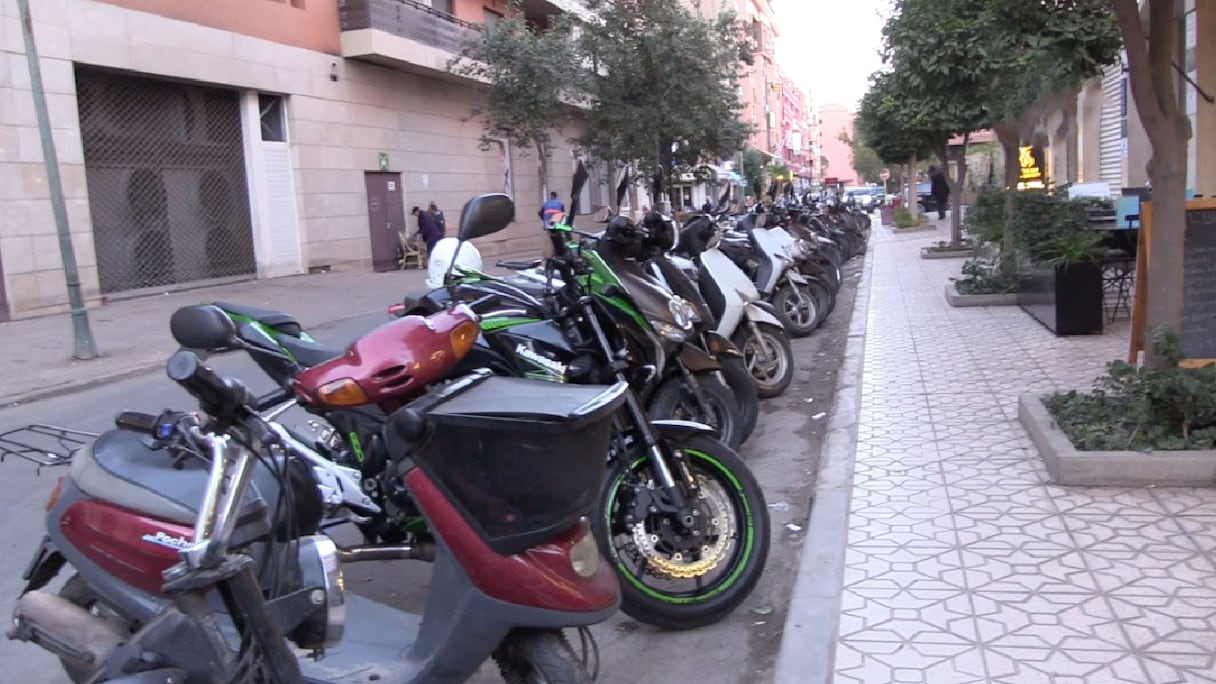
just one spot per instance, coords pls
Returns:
(441, 258)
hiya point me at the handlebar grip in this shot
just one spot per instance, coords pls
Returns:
(136, 422)
(187, 370)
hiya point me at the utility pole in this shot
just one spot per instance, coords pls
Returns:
(85, 347)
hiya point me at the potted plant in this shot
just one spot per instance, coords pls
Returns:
(1060, 278)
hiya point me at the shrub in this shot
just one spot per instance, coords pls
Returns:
(986, 275)
(1143, 409)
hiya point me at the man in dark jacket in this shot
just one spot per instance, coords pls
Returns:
(428, 227)
(939, 187)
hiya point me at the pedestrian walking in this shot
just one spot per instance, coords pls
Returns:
(427, 227)
(939, 187)
(551, 208)
(440, 220)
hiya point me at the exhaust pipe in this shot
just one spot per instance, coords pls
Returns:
(65, 629)
(358, 554)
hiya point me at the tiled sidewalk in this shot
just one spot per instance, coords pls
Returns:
(963, 564)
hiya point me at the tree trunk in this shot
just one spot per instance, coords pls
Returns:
(542, 171)
(1167, 171)
(913, 196)
(1150, 66)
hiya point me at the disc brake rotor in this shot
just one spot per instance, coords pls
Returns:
(672, 564)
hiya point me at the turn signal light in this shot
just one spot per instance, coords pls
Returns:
(463, 337)
(54, 497)
(344, 392)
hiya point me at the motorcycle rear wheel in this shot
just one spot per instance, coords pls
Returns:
(535, 657)
(659, 586)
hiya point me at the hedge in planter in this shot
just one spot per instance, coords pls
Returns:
(1141, 409)
(1060, 279)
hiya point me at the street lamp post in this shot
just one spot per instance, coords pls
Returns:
(85, 346)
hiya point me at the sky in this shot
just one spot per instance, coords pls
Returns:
(830, 47)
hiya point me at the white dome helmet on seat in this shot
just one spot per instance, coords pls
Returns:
(437, 265)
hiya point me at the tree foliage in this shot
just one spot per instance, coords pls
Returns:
(663, 83)
(526, 74)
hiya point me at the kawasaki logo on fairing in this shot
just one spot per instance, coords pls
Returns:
(538, 360)
(166, 540)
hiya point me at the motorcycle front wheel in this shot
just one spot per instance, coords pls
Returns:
(532, 656)
(678, 576)
(674, 399)
(768, 357)
(796, 309)
(744, 390)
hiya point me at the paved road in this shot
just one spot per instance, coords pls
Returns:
(783, 453)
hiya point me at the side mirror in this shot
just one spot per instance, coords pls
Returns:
(203, 327)
(486, 215)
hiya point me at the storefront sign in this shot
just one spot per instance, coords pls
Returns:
(1030, 169)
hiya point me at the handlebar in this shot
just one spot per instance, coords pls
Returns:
(221, 397)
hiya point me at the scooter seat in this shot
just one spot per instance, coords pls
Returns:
(121, 468)
(520, 265)
(308, 354)
(278, 320)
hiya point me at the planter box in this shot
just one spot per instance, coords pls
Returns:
(953, 298)
(1068, 466)
(1065, 299)
(960, 253)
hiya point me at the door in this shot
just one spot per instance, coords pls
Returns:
(386, 218)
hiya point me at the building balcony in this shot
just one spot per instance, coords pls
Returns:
(412, 36)
(402, 34)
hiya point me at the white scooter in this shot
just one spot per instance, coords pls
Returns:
(738, 308)
(762, 254)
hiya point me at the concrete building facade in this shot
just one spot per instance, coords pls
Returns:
(200, 141)
(835, 119)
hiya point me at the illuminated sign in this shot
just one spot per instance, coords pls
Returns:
(1030, 169)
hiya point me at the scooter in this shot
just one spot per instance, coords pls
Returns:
(199, 554)
(774, 272)
(738, 310)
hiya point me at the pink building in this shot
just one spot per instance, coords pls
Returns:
(796, 130)
(835, 119)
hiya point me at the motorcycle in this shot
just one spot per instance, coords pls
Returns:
(670, 483)
(198, 546)
(735, 304)
(763, 257)
(683, 519)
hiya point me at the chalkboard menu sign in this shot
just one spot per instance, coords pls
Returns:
(1199, 294)
(1199, 284)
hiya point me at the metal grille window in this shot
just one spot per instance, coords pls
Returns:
(166, 177)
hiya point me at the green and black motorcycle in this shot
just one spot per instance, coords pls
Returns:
(681, 517)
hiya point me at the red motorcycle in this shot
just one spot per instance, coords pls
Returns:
(197, 545)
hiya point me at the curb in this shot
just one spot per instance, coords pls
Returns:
(957, 300)
(808, 641)
(127, 372)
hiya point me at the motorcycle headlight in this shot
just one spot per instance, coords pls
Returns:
(683, 312)
(670, 333)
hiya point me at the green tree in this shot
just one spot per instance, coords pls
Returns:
(663, 84)
(753, 169)
(527, 75)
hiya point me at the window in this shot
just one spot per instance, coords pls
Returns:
(491, 17)
(442, 5)
(274, 124)
(298, 4)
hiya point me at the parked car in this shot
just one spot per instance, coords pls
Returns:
(863, 196)
(925, 198)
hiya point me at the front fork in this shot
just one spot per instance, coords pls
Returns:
(642, 422)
